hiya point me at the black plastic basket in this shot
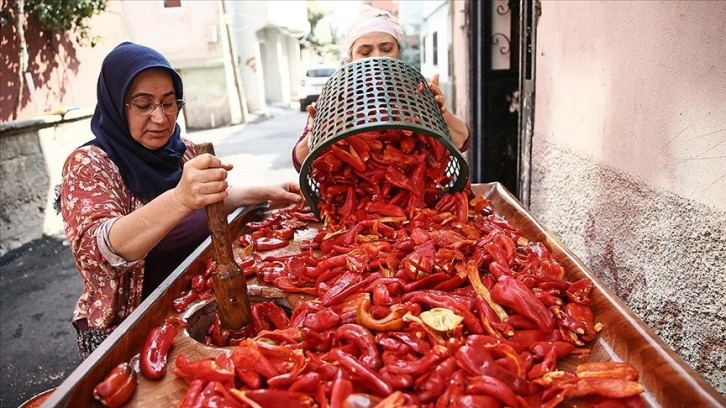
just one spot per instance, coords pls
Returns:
(377, 94)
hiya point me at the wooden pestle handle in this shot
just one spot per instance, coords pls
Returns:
(230, 284)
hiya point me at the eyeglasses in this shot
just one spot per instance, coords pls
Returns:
(147, 108)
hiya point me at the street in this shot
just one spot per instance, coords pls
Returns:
(39, 284)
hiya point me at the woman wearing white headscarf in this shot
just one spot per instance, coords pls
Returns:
(377, 33)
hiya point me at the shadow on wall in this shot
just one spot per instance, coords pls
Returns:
(52, 63)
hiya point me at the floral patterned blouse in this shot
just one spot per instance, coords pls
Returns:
(93, 196)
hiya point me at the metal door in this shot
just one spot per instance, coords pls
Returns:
(502, 74)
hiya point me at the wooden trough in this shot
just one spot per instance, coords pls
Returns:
(667, 379)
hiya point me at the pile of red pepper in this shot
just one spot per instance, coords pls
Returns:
(440, 304)
(380, 172)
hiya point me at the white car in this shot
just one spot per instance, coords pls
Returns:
(313, 80)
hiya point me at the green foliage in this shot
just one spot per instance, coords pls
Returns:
(62, 15)
(322, 47)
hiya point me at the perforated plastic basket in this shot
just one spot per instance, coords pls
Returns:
(377, 94)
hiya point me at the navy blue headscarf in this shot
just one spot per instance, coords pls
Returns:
(147, 173)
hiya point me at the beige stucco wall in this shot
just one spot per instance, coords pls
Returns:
(629, 159)
(647, 96)
(192, 38)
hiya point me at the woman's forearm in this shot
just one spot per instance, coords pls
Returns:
(134, 235)
(239, 196)
(457, 128)
(301, 151)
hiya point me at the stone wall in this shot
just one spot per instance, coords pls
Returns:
(663, 255)
(31, 158)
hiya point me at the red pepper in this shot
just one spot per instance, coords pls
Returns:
(271, 312)
(321, 320)
(363, 340)
(476, 360)
(509, 292)
(579, 291)
(389, 344)
(305, 216)
(607, 387)
(441, 299)
(342, 388)
(327, 163)
(398, 179)
(345, 285)
(153, 358)
(266, 223)
(395, 156)
(267, 244)
(439, 379)
(182, 302)
(306, 383)
(479, 203)
(288, 286)
(455, 390)
(350, 202)
(349, 157)
(267, 397)
(117, 387)
(407, 144)
(413, 339)
(476, 401)
(385, 209)
(199, 284)
(548, 364)
(416, 367)
(394, 321)
(192, 395)
(493, 387)
(208, 369)
(369, 378)
(611, 369)
(360, 146)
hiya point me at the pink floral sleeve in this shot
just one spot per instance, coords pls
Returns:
(93, 196)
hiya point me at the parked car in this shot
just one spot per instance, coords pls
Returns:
(313, 80)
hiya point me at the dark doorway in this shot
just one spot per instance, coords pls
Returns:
(501, 39)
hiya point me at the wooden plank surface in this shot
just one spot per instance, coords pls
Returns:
(668, 380)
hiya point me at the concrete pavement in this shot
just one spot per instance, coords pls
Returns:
(39, 284)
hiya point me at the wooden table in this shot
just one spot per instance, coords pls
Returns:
(667, 379)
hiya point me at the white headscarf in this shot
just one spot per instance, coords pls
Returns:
(372, 20)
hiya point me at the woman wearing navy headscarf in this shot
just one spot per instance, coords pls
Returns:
(377, 33)
(133, 198)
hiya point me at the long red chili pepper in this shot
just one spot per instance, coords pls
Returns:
(371, 378)
(268, 244)
(182, 302)
(153, 358)
(394, 321)
(117, 387)
(363, 340)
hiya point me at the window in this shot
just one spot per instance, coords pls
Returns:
(423, 50)
(172, 3)
(435, 40)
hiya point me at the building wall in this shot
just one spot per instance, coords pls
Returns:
(629, 159)
(32, 153)
(64, 73)
(460, 73)
(263, 34)
(192, 39)
(437, 19)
